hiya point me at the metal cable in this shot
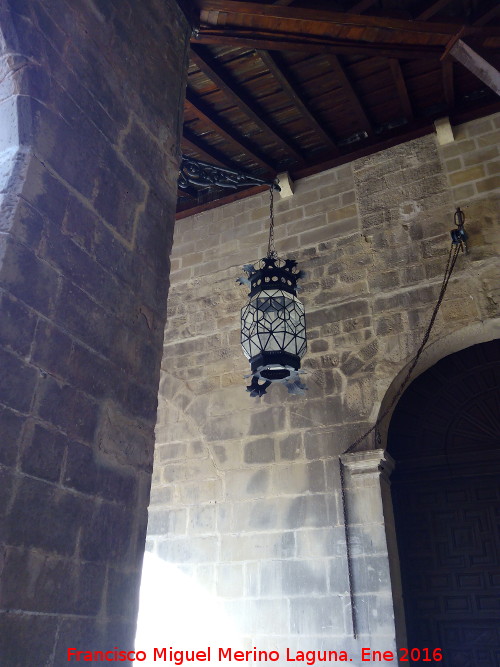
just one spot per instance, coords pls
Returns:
(450, 265)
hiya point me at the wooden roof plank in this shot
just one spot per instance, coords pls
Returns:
(207, 153)
(204, 115)
(350, 93)
(399, 80)
(215, 74)
(288, 88)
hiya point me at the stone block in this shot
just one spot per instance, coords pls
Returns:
(290, 447)
(299, 478)
(492, 183)
(107, 534)
(23, 636)
(230, 580)
(46, 517)
(257, 546)
(167, 522)
(43, 453)
(28, 278)
(307, 511)
(17, 382)
(293, 578)
(17, 325)
(317, 412)
(191, 470)
(253, 483)
(338, 577)
(79, 416)
(259, 451)
(203, 491)
(370, 574)
(192, 550)
(120, 194)
(319, 615)
(229, 427)
(11, 424)
(120, 595)
(52, 349)
(471, 174)
(325, 542)
(161, 495)
(77, 313)
(123, 439)
(489, 139)
(202, 520)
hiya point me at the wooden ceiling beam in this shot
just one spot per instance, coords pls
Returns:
(350, 93)
(476, 64)
(361, 7)
(314, 21)
(204, 114)
(432, 9)
(288, 88)
(271, 42)
(215, 74)
(487, 17)
(399, 80)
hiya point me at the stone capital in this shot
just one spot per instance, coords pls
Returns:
(375, 461)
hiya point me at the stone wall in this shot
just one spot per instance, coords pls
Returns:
(90, 113)
(245, 502)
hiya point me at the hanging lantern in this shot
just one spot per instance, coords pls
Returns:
(273, 326)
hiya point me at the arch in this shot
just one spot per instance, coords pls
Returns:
(478, 332)
(444, 436)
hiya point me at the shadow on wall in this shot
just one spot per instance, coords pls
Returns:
(176, 613)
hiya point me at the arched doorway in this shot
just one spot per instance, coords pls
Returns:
(445, 438)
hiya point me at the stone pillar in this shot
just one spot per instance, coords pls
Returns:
(370, 538)
(90, 116)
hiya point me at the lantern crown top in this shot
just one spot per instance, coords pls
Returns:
(271, 272)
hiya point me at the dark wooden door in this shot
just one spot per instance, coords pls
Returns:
(449, 546)
(445, 438)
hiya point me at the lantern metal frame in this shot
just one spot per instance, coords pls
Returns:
(273, 325)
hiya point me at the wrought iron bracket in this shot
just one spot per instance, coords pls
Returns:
(203, 175)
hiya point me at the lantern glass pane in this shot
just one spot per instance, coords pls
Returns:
(273, 321)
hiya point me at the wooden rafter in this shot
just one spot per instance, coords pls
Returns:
(448, 84)
(399, 80)
(476, 64)
(361, 7)
(272, 43)
(432, 9)
(215, 74)
(350, 93)
(207, 153)
(287, 86)
(199, 109)
(488, 16)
